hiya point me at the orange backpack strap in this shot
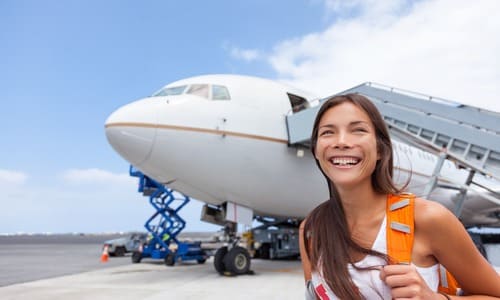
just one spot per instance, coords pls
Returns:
(400, 235)
(447, 283)
(400, 227)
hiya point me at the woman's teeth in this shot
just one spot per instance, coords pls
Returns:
(344, 161)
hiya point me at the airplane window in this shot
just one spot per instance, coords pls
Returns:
(175, 90)
(199, 90)
(220, 92)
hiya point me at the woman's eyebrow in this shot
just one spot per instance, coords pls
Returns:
(327, 126)
(353, 123)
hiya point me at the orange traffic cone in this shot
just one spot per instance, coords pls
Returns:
(105, 254)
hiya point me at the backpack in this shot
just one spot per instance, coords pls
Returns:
(400, 236)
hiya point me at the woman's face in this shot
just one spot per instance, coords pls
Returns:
(346, 147)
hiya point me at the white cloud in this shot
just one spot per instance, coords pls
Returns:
(97, 176)
(443, 48)
(247, 55)
(365, 8)
(8, 177)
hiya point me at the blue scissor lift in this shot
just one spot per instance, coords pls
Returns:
(164, 225)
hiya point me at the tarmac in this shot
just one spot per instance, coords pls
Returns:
(154, 280)
(69, 267)
(27, 258)
(64, 269)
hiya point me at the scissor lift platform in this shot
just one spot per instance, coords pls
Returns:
(165, 225)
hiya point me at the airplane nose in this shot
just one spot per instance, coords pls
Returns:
(131, 130)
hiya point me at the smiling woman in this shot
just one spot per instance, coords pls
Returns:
(340, 128)
(345, 249)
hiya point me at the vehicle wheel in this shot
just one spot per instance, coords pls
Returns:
(219, 260)
(264, 251)
(119, 251)
(111, 253)
(170, 259)
(201, 260)
(237, 261)
(136, 257)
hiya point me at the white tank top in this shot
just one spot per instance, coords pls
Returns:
(368, 282)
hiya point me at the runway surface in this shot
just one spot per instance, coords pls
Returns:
(56, 270)
(69, 268)
(28, 258)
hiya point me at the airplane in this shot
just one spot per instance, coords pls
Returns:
(222, 139)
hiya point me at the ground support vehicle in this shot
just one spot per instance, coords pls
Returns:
(165, 225)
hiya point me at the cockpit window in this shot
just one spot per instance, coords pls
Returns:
(175, 90)
(220, 92)
(199, 90)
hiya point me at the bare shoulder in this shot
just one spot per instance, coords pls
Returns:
(438, 228)
(435, 225)
(431, 214)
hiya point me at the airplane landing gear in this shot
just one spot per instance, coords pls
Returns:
(237, 261)
(232, 259)
(219, 260)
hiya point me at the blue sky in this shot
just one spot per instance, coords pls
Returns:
(66, 65)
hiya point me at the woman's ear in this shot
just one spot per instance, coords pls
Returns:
(379, 151)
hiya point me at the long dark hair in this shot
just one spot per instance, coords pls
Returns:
(331, 249)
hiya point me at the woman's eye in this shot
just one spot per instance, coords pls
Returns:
(359, 130)
(326, 132)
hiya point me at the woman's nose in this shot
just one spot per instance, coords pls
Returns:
(342, 141)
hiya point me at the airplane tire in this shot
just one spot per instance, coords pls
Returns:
(219, 260)
(237, 261)
(136, 257)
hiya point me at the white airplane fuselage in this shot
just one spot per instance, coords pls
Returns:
(236, 150)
